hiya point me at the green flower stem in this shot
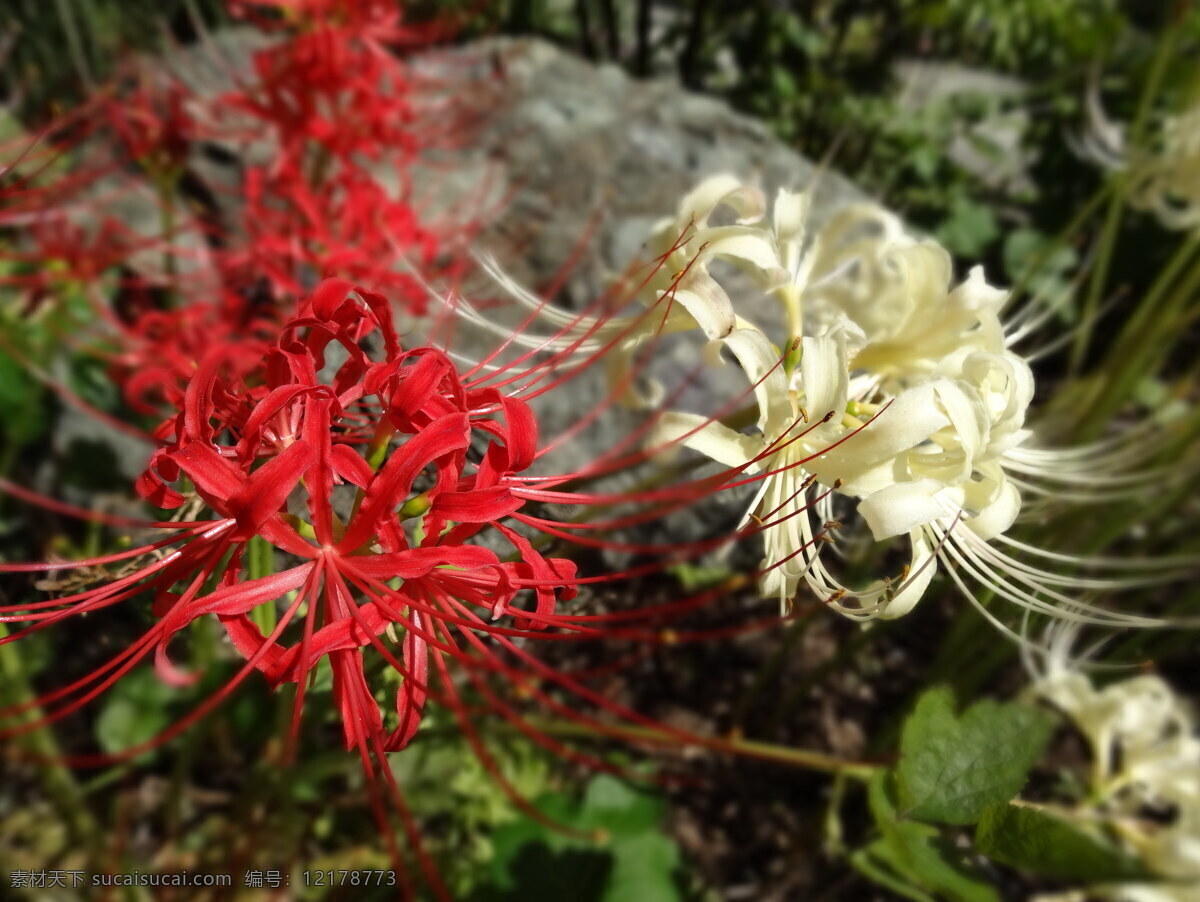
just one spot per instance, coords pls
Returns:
(1144, 340)
(260, 563)
(1112, 221)
(800, 692)
(735, 745)
(8, 457)
(1042, 257)
(835, 841)
(75, 44)
(166, 183)
(1099, 275)
(376, 454)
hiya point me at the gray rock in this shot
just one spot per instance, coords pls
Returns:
(571, 144)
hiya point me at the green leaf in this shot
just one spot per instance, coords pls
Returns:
(630, 857)
(694, 577)
(953, 767)
(22, 403)
(925, 159)
(811, 41)
(783, 83)
(1052, 846)
(134, 712)
(619, 808)
(915, 860)
(969, 228)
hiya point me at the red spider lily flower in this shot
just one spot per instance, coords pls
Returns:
(377, 21)
(332, 98)
(376, 476)
(244, 449)
(322, 88)
(336, 82)
(153, 126)
(377, 472)
(348, 225)
(161, 350)
(336, 99)
(54, 251)
(76, 205)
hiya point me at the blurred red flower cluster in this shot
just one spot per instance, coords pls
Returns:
(315, 143)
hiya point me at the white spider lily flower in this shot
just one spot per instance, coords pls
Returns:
(687, 242)
(936, 401)
(1167, 182)
(1163, 176)
(1144, 784)
(680, 293)
(796, 446)
(896, 392)
(910, 323)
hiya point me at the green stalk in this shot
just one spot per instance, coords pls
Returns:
(1099, 276)
(166, 199)
(260, 563)
(1112, 220)
(74, 44)
(1147, 336)
(1042, 257)
(751, 748)
(770, 668)
(788, 704)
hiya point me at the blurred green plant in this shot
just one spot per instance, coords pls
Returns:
(1017, 35)
(616, 850)
(58, 51)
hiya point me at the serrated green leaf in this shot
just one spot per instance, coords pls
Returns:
(953, 767)
(914, 859)
(1052, 846)
(930, 865)
(644, 869)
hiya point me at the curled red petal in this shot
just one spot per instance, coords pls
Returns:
(410, 698)
(230, 600)
(350, 466)
(393, 481)
(268, 487)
